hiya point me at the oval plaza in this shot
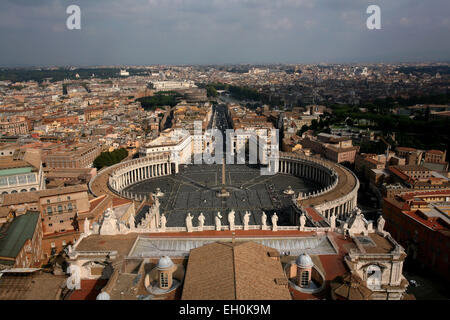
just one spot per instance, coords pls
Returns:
(297, 233)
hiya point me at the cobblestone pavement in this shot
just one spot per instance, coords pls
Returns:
(194, 189)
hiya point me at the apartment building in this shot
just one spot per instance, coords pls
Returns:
(79, 155)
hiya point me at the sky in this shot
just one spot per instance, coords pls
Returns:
(146, 32)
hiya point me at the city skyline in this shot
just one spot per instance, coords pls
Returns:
(179, 32)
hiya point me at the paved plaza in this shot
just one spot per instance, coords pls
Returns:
(194, 189)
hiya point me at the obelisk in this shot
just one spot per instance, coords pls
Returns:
(223, 173)
(223, 192)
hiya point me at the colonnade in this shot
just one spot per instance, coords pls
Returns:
(323, 173)
(308, 170)
(133, 171)
(341, 211)
(317, 170)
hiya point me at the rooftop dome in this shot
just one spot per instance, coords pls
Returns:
(164, 263)
(304, 261)
(103, 296)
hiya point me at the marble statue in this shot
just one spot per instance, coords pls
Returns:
(380, 224)
(246, 219)
(264, 221)
(96, 228)
(86, 225)
(109, 224)
(131, 222)
(74, 281)
(302, 221)
(151, 218)
(231, 219)
(163, 222)
(218, 221)
(274, 222)
(345, 229)
(201, 221)
(189, 222)
(156, 200)
(333, 221)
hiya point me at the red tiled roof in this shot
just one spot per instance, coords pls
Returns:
(439, 152)
(406, 149)
(95, 202)
(89, 290)
(315, 216)
(120, 201)
(334, 266)
(411, 195)
(431, 223)
(400, 174)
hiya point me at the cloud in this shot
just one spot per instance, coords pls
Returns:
(219, 31)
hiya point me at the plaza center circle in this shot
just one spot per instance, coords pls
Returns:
(194, 189)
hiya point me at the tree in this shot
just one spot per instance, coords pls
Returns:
(106, 159)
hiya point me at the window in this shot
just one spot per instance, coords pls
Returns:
(12, 180)
(164, 278)
(50, 224)
(48, 200)
(60, 208)
(305, 279)
(22, 179)
(3, 181)
(61, 221)
(373, 274)
(49, 210)
(69, 206)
